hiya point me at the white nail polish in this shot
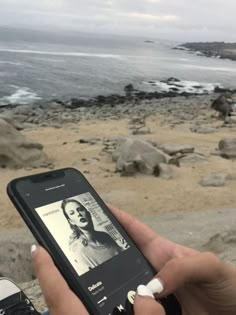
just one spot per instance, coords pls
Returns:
(33, 249)
(142, 290)
(155, 286)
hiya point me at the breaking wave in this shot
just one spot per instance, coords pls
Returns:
(20, 96)
(57, 53)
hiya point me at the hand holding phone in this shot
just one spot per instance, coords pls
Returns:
(97, 258)
(194, 276)
(60, 299)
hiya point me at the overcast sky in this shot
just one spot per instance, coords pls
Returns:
(183, 20)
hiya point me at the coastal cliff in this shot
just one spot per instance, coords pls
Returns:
(220, 50)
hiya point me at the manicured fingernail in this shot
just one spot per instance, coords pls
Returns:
(142, 290)
(155, 286)
(33, 249)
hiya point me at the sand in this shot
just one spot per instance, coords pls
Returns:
(139, 195)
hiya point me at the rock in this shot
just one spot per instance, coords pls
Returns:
(165, 171)
(192, 158)
(141, 131)
(223, 104)
(135, 155)
(76, 103)
(219, 89)
(214, 180)
(231, 176)
(91, 160)
(216, 152)
(171, 79)
(55, 105)
(173, 149)
(232, 120)
(110, 145)
(203, 129)
(67, 118)
(56, 125)
(115, 156)
(91, 141)
(23, 110)
(17, 152)
(220, 241)
(12, 122)
(137, 125)
(227, 148)
(137, 120)
(129, 169)
(129, 89)
(15, 258)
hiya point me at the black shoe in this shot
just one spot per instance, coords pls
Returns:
(13, 301)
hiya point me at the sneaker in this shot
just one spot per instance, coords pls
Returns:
(13, 301)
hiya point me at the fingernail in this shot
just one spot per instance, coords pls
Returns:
(142, 290)
(155, 286)
(33, 249)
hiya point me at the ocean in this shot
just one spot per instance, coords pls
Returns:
(39, 65)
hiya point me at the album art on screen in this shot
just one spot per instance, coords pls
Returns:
(83, 231)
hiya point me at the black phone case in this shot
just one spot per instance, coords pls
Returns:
(171, 305)
(74, 286)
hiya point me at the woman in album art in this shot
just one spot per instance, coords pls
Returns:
(91, 247)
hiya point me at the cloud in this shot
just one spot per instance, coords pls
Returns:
(181, 20)
(147, 16)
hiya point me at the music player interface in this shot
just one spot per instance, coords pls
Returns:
(110, 269)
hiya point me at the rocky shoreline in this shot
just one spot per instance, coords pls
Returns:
(219, 50)
(57, 112)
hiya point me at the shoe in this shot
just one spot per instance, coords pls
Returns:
(13, 300)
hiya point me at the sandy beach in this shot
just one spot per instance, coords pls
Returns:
(140, 194)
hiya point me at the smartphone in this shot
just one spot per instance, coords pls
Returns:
(93, 252)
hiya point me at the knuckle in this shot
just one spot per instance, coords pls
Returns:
(210, 257)
(213, 260)
(148, 306)
(175, 262)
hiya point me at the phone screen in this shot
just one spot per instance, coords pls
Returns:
(89, 237)
(105, 263)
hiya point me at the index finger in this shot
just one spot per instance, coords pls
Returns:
(58, 295)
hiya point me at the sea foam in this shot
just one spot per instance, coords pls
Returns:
(184, 86)
(21, 96)
(57, 53)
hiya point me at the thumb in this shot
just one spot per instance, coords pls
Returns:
(56, 291)
(203, 268)
(146, 304)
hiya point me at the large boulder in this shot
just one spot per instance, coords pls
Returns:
(8, 118)
(227, 148)
(223, 104)
(138, 156)
(17, 152)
